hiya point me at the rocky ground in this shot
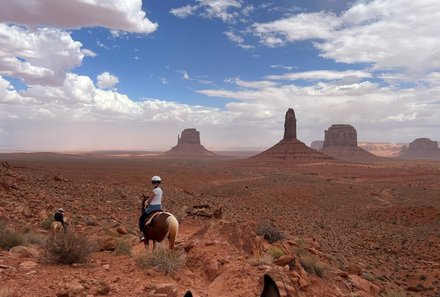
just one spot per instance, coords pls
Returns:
(374, 227)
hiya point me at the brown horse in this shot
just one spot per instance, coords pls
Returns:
(270, 288)
(162, 225)
(56, 227)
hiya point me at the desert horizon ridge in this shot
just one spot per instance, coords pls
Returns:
(371, 227)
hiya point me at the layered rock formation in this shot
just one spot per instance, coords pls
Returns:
(189, 146)
(341, 143)
(290, 148)
(340, 135)
(421, 148)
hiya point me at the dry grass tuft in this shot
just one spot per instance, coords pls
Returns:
(163, 260)
(265, 259)
(123, 248)
(8, 237)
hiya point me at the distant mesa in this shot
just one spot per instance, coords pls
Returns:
(290, 148)
(421, 148)
(188, 145)
(317, 144)
(341, 143)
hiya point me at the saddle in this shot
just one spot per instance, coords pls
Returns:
(151, 216)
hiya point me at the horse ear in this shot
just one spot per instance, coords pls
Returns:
(188, 294)
(270, 288)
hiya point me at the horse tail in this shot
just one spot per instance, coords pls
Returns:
(173, 227)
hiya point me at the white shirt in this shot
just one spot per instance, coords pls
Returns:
(157, 199)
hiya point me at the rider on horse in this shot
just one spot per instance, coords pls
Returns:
(150, 204)
(59, 217)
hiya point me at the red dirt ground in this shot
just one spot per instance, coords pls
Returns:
(380, 221)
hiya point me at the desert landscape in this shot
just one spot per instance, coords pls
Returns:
(319, 226)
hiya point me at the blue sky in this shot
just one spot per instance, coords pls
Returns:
(106, 74)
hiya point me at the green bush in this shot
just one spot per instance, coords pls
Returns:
(275, 252)
(67, 248)
(269, 233)
(163, 260)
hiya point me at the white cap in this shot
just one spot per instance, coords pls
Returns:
(60, 210)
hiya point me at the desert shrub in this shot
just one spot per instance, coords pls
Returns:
(269, 233)
(264, 259)
(67, 248)
(395, 293)
(275, 252)
(9, 238)
(33, 238)
(312, 264)
(47, 222)
(123, 248)
(163, 260)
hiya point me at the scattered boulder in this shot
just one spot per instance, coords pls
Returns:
(169, 290)
(189, 146)
(24, 252)
(72, 289)
(107, 243)
(421, 148)
(364, 285)
(26, 265)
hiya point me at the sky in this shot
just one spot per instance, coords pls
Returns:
(83, 75)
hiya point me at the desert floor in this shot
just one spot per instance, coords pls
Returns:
(379, 221)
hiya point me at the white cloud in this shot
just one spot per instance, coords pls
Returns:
(106, 80)
(185, 75)
(24, 54)
(389, 34)
(251, 84)
(238, 40)
(226, 10)
(125, 15)
(184, 11)
(322, 75)
(302, 26)
(280, 66)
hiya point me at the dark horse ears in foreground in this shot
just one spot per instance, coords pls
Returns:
(270, 289)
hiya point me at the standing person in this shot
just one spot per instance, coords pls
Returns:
(150, 204)
(59, 217)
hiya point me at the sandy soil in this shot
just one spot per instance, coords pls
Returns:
(380, 221)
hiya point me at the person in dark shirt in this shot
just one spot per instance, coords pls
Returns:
(59, 217)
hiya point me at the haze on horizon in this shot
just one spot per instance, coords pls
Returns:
(131, 74)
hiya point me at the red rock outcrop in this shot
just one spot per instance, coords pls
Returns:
(340, 135)
(341, 143)
(290, 148)
(189, 146)
(421, 148)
